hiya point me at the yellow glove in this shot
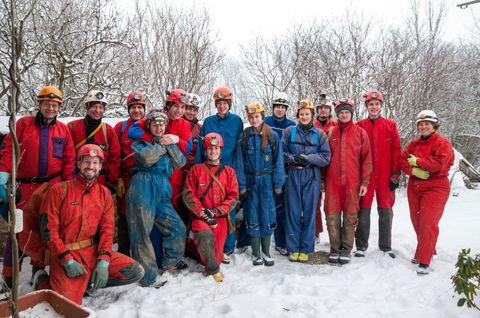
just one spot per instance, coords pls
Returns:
(120, 188)
(420, 173)
(412, 160)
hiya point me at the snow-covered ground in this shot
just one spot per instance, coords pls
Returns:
(374, 286)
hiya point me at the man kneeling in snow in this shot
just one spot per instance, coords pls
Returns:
(211, 192)
(77, 224)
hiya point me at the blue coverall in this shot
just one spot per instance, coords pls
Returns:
(259, 172)
(148, 204)
(303, 184)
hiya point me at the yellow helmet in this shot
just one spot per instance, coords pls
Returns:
(50, 93)
(306, 103)
(254, 108)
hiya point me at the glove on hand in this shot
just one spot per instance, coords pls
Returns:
(244, 195)
(74, 269)
(393, 184)
(301, 160)
(210, 213)
(420, 173)
(412, 160)
(99, 277)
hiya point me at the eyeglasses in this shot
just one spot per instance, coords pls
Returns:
(222, 95)
(51, 96)
(99, 95)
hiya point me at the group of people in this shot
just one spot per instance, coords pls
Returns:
(179, 185)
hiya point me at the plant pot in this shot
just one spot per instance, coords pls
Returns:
(61, 304)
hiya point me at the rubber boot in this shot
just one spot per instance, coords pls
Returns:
(334, 227)
(257, 258)
(363, 230)
(385, 218)
(205, 240)
(267, 260)
(348, 236)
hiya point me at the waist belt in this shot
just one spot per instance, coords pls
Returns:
(299, 167)
(258, 173)
(39, 179)
(80, 244)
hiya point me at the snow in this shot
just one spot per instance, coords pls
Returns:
(41, 310)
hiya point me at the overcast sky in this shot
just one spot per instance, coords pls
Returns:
(240, 21)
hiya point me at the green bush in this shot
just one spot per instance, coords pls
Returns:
(467, 278)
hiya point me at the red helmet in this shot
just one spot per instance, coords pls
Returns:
(223, 93)
(373, 95)
(177, 96)
(136, 98)
(91, 150)
(212, 139)
(344, 104)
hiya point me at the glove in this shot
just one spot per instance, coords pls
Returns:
(393, 183)
(120, 188)
(244, 195)
(420, 173)
(277, 191)
(4, 178)
(210, 213)
(73, 268)
(412, 160)
(301, 160)
(100, 274)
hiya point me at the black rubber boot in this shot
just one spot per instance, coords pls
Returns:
(385, 217)
(363, 229)
(256, 257)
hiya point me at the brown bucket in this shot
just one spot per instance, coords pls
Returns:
(61, 304)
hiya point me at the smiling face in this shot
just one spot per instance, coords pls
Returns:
(425, 128)
(96, 110)
(255, 119)
(374, 107)
(89, 167)
(176, 111)
(305, 116)
(213, 153)
(136, 112)
(191, 112)
(157, 129)
(49, 109)
(222, 107)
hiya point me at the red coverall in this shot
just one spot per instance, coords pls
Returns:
(349, 168)
(385, 150)
(323, 170)
(86, 212)
(127, 162)
(196, 183)
(427, 198)
(110, 147)
(45, 151)
(181, 128)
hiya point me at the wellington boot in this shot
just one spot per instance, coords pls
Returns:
(362, 232)
(303, 257)
(294, 257)
(348, 233)
(205, 241)
(256, 255)
(334, 227)
(265, 242)
(385, 218)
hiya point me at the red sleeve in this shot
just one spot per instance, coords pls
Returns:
(117, 129)
(192, 202)
(51, 206)
(106, 228)
(396, 152)
(68, 157)
(365, 158)
(6, 152)
(113, 156)
(231, 192)
(185, 136)
(441, 155)
(404, 165)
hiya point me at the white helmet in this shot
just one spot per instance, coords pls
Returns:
(323, 101)
(281, 98)
(427, 115)
(194, 99)
(95, 96)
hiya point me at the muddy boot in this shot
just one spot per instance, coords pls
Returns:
(267, 260)
(205, 240)
(348, 236)
(333, 226)
(385, 217)
(256, 255)
(363, 231)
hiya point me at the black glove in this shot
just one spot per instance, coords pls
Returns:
(210, 221)
(301, 160)
(210, 213)
(393, 183)
(245, 196)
